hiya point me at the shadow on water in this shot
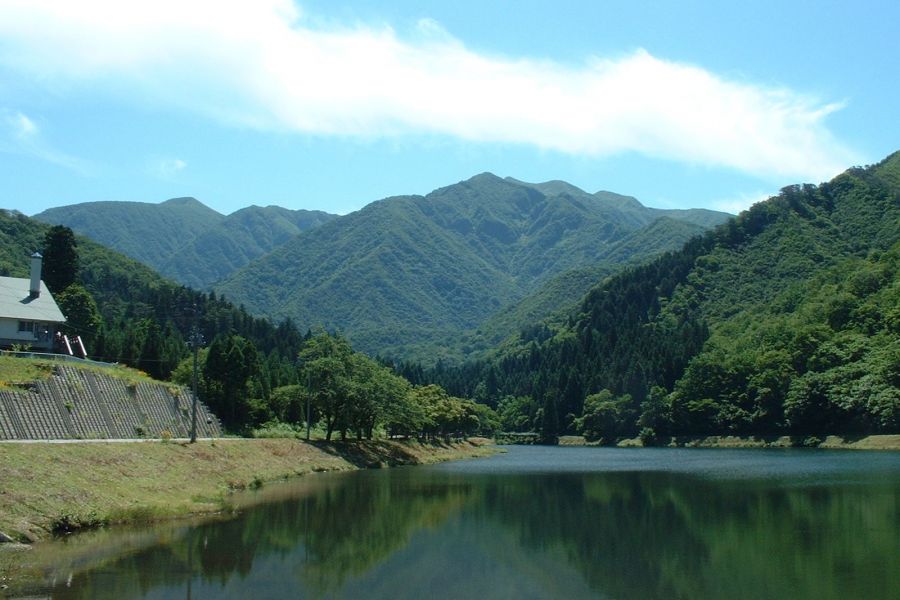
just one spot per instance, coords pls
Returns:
(409, 533)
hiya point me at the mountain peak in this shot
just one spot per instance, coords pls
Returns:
(486, 177)
(554, 187)
(183, 201)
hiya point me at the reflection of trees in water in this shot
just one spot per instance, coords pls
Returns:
(343, 530)
(658, 535)
(362, 523)
(630, 535)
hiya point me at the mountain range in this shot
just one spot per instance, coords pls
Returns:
(407, 276)
(785, 319)
(182, 238)
(427, 277)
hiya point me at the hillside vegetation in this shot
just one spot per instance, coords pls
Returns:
(407, 276)
(182, 238)
(784, 319)
(144, 320)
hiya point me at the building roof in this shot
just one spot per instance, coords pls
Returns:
(16, 302)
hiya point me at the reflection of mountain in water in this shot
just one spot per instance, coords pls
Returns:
(409, 533)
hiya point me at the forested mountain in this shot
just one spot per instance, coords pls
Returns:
(182, 238)
(558, 296)
(782, 320)
(136, 317)
(251, 371)
(150, 233)
(236, 240)
(405, 275)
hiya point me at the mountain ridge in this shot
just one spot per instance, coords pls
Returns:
(411, 270)
(182, 238)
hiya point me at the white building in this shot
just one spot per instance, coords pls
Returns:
(29, 315)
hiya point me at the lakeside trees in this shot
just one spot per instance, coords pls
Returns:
(781, 321)
(349, 393)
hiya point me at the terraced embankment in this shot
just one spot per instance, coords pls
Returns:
(78, 403)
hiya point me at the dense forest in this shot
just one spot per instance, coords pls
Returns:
(411, 276)
(404, 276)
(252, 373)
(182, 238)
(783, 320)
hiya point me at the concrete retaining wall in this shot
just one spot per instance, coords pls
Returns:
(79, 404)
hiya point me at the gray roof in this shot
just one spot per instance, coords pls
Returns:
(16, 302)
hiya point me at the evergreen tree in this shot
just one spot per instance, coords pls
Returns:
(60, 266)
(550, 421)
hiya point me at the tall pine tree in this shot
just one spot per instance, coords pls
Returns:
(60, 267)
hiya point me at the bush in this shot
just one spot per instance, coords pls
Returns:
(648, 436)
(277, 429)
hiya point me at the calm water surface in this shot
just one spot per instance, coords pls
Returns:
(533, 523)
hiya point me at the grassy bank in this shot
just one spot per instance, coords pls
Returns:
(51, 488)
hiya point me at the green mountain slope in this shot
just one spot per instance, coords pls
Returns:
(403, 275)
(146, 319)
(182, 238)
(236, 240)
(784, 319)
(559, 295)
(150, 233)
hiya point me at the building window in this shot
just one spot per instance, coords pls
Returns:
(26, 326)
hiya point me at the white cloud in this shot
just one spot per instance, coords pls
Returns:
(22, 126)
(167, 168)
(19, 134)
(262, 64)
(741, 202)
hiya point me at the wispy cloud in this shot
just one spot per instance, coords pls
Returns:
(263, 64)
(19, 134)
(167, 168)
(741, 202)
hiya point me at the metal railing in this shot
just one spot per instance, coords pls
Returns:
(59, 357)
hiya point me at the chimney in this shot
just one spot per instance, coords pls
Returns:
(35, 289)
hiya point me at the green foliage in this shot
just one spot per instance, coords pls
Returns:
(146, 232)
(783, 320)
(518, 414)
(81, 312)
(60, 265)
(182, 238)
(407, 276)
(232, 368)
(446, 416)
(605, 417)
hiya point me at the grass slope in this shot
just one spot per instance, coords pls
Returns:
(59, 487)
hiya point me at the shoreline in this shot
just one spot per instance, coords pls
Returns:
(52, 489)
(881, 442)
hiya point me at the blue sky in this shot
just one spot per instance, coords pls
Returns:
(332, 105)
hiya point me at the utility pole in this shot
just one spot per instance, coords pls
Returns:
(196, 341)
(308, 401)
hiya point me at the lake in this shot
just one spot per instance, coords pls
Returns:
(535, 522)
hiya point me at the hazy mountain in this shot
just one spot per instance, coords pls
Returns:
(405, 274)
(182, 238)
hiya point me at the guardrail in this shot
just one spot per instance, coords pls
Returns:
(59, 357)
